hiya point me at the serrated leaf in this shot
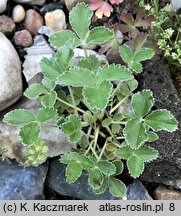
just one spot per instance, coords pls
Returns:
(106, 167)
(80, 19)
(152, 137)
(126, 53)
(91, 63)
(29, 133)
(106, 122)
(119, 167)
(50, 68)
(136, 67)
(124, 152)
(135, 133)
(113, 72)
(98, 98)
(135, 166)
(70, 157)
(49, 99)
(143, 54)
(86, 162)
(116, 187)
(18, 117)
(35, 90)
(99, 35)
(49, 84)
(142, 103)
(161, 119)
(45, 114)
(126, 88)
(73, 172)
(146, 153)
(95, 179)
(59, 39)
(78, 77)
(102, 187)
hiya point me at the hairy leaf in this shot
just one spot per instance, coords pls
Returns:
(73, 172)
(106, 122)
(106, 167)
(45, 114)
(35, 90)
(117, 188)
(99, 35)
(135, 133)
(49, 84)
(152, 137)
(119, 166)
(102, 188)
(78, 77)
(146, 153)
(98, 98)
(59, 39)
(95, 179)
(142, 103)
(113, 72)
(29, 133)
(126, 53)
(80, 19)
(18, 117)
(49, 99)
(124, 152)
(161, 120)
(91, 63)
(135, 166)
(143, 54)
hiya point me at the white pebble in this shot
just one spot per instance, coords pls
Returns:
(3, 5)
(18, 13)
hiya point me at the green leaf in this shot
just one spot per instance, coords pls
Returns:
(98, 98)
(102, 187)
(136, 67)
(50, 68)
(99, 35)
(142, 103)
(45, 114)
(59, 39)
(117, 188)
(126, 53)
(49, 84)
(106, 167)
(91, 63)
(70, 157)
(124, 152)
(118, 117)
(80, 19)
(18, 117)
(95, 179)
(135, 166)
(161, 119)
(126, 88)
(113, 72)
(73, 172)
(119, 167)
(152, 137)
(116, 128)
(49, 99)
(78, 77)
(143, 54)
(106, 122)
(29, 133)
(135, 133)
(35, 90)
(146, 153)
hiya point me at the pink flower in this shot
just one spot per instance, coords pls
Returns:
(102, 8)
(116, 1)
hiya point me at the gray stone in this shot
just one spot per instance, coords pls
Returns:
(10, 74)
(79, 190)
(21, 183)
(31, 2)
(174, 183)
(163, 193)
(137, 191)
(3, 4)
(168, 166)
(175, 4)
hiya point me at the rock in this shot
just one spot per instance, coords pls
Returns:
(168, 165)
(174, 183)
(71, 3)
(44, 30)
(80, 189)
(10, 74)
(7, 25)
(33, 21)
(35, 53)
(51, 7)
(162, 193)
(21, 183)
(137, 191)
(31, 2)
(175, 5)
(18, 13)
(55, 139)
(3, 4)
(23, 38)
(55, 20)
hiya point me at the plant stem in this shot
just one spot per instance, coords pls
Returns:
(102, 151)
(156, 7)
(120, 138)
(87, 151)
(85, 52)
(70, 105)
(96, 137)
(121, 122)
(117, 87)
(73, 100)
(118, 104)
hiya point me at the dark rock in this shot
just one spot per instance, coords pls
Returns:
(51, 7)
(7, 25)
(80, 189)
(163, 193)
(137, 191)
(168, 166)
(23, 38)
(21, 183)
